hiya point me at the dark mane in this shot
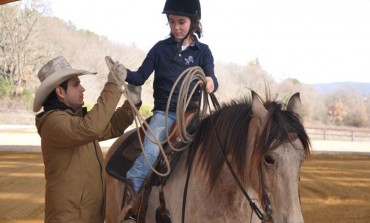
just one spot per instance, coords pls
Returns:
(231, 124)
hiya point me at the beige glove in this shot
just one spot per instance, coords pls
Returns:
(117, 72)
(135, 93)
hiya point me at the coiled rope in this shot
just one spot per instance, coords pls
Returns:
(194, 77)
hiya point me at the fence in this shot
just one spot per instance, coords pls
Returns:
(347, 134)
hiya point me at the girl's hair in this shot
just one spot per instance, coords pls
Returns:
(196, 26)
(53, 95)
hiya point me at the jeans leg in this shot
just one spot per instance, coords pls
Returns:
(139, 171)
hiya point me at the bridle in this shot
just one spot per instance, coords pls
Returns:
(265, 216)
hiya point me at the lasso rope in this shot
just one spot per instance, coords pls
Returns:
(195, 76)
(192, 74)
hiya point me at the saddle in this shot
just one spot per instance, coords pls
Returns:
(125, 155)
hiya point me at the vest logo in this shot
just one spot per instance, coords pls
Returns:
(189, 60)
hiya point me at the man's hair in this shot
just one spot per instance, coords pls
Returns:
(53, 95)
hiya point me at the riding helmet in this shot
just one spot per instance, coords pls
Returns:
(189, 8)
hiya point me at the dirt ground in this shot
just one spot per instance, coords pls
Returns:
(334, 188)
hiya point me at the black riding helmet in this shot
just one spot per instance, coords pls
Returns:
(190, 8)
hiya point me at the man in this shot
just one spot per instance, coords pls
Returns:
(69, 134)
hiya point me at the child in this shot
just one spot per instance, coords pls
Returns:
(168, 59)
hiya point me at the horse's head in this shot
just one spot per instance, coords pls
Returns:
(265, 145)
(279, 148)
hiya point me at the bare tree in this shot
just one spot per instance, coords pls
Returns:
(353, 106)
(236, 81)
(312, 102)
(337, 111)
(20, 52)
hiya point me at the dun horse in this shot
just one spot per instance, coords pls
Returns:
(242, 166)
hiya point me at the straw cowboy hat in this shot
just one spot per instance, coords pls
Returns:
(2, 2)
(52, 74)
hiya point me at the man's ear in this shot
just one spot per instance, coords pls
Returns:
(60, 92)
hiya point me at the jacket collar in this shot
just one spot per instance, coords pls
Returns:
(58, 105)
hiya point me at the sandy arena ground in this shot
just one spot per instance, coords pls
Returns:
(334, 188)
(335, 182)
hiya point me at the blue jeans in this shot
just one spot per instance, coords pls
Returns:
(140, 170)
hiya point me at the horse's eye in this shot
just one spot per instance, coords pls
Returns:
(269, 159)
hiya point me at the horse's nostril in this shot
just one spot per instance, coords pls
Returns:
(269, 159)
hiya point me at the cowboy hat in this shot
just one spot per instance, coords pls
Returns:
(52, 74)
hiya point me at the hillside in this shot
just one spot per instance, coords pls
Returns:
(356, 87)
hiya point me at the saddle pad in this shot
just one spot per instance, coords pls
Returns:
(118, 165)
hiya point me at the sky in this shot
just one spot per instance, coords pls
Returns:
(314, 41)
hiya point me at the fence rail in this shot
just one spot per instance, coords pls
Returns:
(347, 134)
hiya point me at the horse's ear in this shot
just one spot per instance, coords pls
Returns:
(257, 106)
(294, 104)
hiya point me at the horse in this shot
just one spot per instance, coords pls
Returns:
(243, 165)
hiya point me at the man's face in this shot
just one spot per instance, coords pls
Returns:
(73, 96)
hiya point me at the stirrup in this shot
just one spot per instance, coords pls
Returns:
(129, 219)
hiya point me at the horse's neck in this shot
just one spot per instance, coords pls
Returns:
(225, 201)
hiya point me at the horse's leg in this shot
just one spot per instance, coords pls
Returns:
(114, 194)
(114, 188)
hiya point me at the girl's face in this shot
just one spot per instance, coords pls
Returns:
(179, 25)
